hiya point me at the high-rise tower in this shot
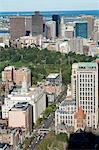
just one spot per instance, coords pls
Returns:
(85, 90)
(56, 18)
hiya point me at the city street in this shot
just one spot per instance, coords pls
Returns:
(47, 124)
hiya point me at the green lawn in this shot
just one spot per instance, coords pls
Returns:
(53, 142)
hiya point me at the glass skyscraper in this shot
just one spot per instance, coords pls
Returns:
(81, 29)
(56, 18)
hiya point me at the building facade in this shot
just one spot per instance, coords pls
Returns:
(20, 26)
(62, 28)
(34, 96)
(16, 76)
(56, 18)
(10, 136)
(21, 116)
(76, 45)
(85, 90)
(50, 29)
(37, 24)
(81, 29)
(90, 19)
(80, 108)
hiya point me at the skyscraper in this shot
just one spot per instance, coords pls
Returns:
(62, 28)
(90, 20)
(37, 24)
(56, 18)
(20, 26)
(81, 29)
(80, 108)
(50, 29)
(85, 90)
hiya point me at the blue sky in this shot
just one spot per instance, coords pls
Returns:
(45, 5)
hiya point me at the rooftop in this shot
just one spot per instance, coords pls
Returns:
(8, 68)
(81, 21)
(64, 112)
(68, 102)
(20, 106)
(53, 75)
(85, 65)
(80, 114)
(2, 145)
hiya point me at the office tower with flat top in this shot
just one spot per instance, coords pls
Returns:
(20, 26)
(56, 18)
(81, 29)
(85, 90)
(37, 24)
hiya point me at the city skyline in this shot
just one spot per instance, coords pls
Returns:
(48, 5)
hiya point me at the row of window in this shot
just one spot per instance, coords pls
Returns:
(86, 75)
(86, 93)
(87, 98)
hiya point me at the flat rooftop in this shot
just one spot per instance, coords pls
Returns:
(68, 102)
(87, 65)
(53, 76)
(20, 106)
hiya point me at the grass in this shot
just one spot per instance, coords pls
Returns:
(53, 142)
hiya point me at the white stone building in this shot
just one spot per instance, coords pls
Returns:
(34, 96)
(85, 90)
(80, 108)
(51, 29)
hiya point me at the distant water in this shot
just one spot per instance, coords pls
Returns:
(4, 33)
(50, 13)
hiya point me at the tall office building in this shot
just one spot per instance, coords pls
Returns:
(90, 20)
(81, 106)
(56, 18)
(50, 29)
(85, 90)
(76, 45)
(62, 28)
(37, 24)
(20, 26)
(81, 29)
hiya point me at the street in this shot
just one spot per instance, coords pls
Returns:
(46, 126)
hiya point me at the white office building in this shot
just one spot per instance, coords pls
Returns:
(85, 90)
(62, 28)
(80, 108)
(34, 96)
(51, 29)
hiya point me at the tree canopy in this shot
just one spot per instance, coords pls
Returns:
(41, 62)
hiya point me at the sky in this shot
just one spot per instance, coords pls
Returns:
(48, 5)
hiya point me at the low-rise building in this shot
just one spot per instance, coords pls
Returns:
(53, 86)
(64, 115)
(28, 41)
(10, 136)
